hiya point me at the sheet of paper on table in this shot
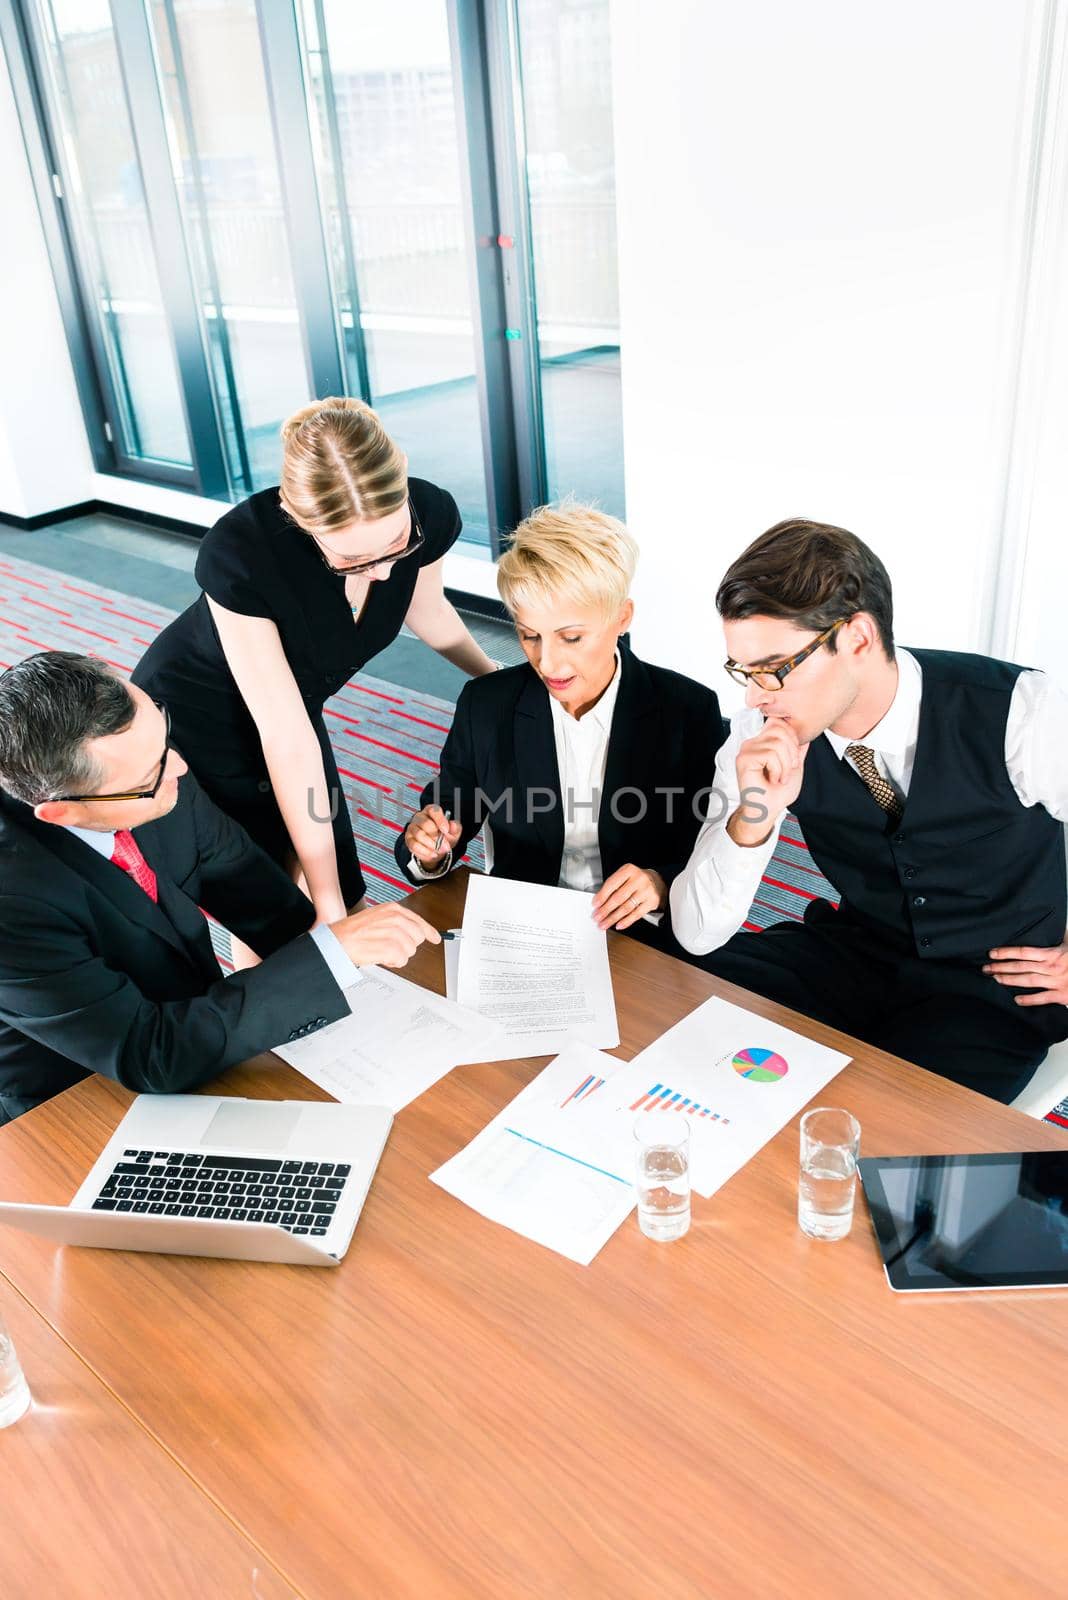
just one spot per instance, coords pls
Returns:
(397, 1041)
(533, 960)
(737, 1078)
(512, 1174)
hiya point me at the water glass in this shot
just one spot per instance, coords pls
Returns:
(830, 1145)
(14, 1390)
(662, 1177)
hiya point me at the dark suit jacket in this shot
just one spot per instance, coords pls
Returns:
(665, 732)
(94, 977)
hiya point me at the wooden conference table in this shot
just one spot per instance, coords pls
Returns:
(458, 1414)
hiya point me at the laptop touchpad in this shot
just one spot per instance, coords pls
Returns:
(262, 1124)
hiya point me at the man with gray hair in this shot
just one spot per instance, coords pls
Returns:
(108, 851)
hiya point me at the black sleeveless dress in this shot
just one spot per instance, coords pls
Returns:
(256, 561)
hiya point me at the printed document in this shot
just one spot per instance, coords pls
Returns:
(397, 1041)
(737, 1079)
(533, 960)
(513, 1173)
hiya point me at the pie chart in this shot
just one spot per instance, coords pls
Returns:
(760, 1066)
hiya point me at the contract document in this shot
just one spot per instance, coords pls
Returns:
(397, 1041)
(515, 1174)
(533, 961)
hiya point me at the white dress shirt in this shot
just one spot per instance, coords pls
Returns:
(343, 971)
(581, 755)
(712, 895)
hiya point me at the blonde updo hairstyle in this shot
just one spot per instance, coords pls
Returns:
(339, 466)
(568, 552)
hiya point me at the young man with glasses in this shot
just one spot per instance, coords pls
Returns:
(930, 787)
(108, 851)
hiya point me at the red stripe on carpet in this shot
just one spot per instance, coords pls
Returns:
(385, 877)
(370, 782)
(90, 631)
(342, 717)
(779, 910)
(31, 581)
(383, 822)
(90, 594)
(791, 888)
(129, 616)
(422, 722)
(396, 751)
(416, 738)
(358, 687)
(30, 601)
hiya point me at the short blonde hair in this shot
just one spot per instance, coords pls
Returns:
(572, 552)
(339, 466)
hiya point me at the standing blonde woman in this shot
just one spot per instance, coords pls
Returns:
(303, 585)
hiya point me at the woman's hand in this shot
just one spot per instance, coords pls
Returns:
(630, 893)
(1041, 967)
(430, 836)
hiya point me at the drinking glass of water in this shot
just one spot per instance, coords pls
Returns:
(662, 1139)
(14, 1390)
(830, 1144)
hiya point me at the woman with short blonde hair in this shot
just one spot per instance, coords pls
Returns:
(590, 766)
(304, 583)
(568, 550)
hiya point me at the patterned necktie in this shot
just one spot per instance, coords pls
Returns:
(127, 856)
(883, 793)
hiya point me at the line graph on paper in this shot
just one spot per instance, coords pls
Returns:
(582, 1091)
(661, 1097)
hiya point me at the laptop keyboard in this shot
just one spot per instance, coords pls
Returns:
(300, 1196)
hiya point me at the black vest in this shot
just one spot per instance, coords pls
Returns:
(967, 868)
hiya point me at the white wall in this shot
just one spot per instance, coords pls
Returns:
(44, 454)
(821, 234)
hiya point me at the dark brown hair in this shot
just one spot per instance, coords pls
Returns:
(811, 574)
(50, 705)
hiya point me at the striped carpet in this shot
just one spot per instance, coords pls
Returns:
(386, 738)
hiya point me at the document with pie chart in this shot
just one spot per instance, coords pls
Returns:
(736, 1078)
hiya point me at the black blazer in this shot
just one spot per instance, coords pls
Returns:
(94, 977)
(665, 732)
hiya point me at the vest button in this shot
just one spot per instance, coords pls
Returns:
(925, 944)
(920, 900)
(909, 873)
(899, 838)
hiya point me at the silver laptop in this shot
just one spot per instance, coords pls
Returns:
(198, 1175)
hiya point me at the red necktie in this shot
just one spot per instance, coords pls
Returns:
(127, 856)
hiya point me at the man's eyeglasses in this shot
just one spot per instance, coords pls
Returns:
(136, 794)
(416, 541)
(772, 677)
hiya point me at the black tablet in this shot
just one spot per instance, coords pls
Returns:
(971, 1222)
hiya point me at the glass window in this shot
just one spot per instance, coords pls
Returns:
(231, 195)
(109, 219)
(566, 72)
(386, 137)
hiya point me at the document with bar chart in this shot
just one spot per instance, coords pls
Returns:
(735, 1077)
